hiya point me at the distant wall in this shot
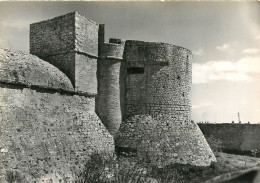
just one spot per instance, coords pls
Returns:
(241, 137)
(45, 134)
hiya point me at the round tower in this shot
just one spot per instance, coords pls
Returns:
(158, 79)
(109, 79)
(157, 116)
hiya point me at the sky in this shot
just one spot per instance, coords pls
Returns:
(223, 36)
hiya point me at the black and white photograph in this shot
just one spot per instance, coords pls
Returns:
(130, 91)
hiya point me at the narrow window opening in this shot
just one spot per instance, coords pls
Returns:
(135, 70)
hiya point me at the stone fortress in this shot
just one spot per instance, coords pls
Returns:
(74, 95)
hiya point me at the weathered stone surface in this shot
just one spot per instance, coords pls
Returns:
(112, 50)
(45, 134)
(109, 87)
(24, 69)
(54, 36)
(86, 35)
(158, 106)
(70, 43)
(65, 63)
(64, 34)
(108, 99)
(85, 74)
(163, 140)
(165, 83)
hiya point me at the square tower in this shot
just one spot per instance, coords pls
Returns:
(70, 43)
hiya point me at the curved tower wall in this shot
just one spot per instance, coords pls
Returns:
(158, 79)
(108, 74)
(157, 121)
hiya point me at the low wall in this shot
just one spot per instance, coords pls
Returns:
(237, 137)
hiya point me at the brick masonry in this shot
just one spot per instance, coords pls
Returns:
(158, 106)
(70, 43)
(46, 134)
(108, 99)
(162, 140)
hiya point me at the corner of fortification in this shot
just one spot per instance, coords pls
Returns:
(70, 43)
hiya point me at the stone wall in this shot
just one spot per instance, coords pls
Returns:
(86, 35)
(162, 141)
(28, 70)
(238, 137)
(69, 42)
(47, 132)
(85, 74)
(163, 82)
(51, 37)
(157, 121)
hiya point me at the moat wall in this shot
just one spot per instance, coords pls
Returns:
(236, 137)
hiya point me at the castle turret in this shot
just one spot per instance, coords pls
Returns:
(110, 84)
(70, 43)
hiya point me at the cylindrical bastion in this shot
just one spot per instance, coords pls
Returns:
(157, 122)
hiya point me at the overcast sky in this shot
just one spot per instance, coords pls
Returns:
(223, 36)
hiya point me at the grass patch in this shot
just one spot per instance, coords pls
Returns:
(113, 169)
